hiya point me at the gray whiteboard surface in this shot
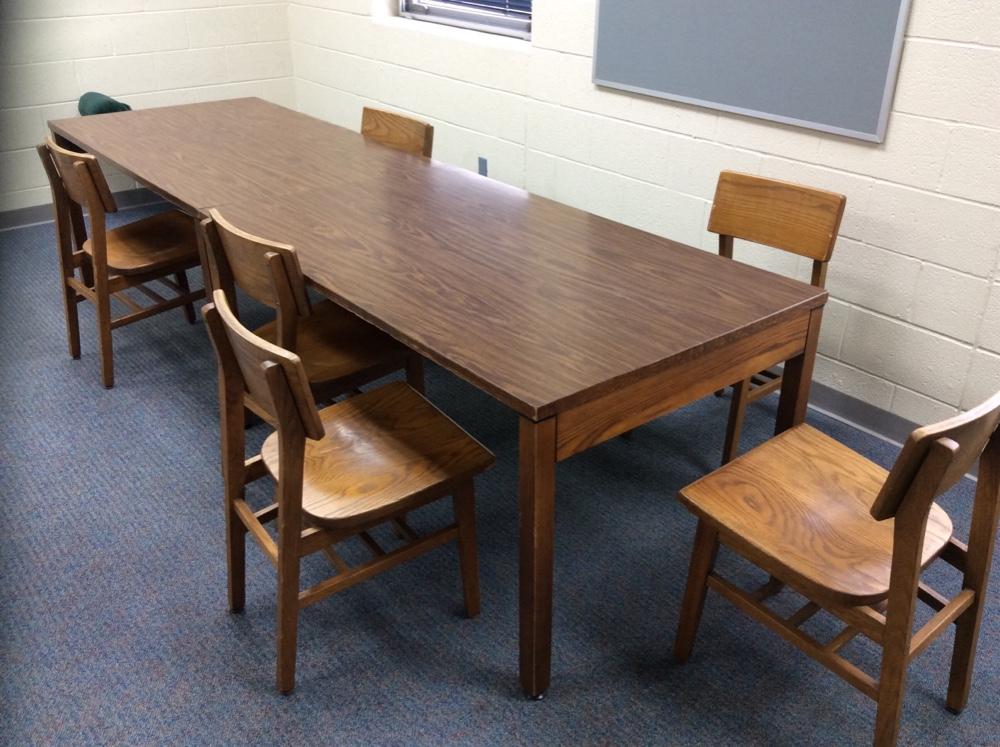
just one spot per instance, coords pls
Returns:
(824, 64)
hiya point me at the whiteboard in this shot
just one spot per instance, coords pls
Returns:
(827, 65)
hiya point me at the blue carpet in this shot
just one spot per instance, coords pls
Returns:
(113, 605)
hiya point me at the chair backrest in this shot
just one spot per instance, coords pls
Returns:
(78, 176)
(961, 440)
(397, 131)
(252, 365)
(791, 217)
(267, 271)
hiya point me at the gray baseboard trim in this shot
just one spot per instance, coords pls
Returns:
(26, 216)
(868, 418)
(886, 425)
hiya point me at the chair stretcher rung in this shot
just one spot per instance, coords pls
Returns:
(374, 546)
(804, 612)
(937, 624)
(805, 643)
(338, 562)
(931, 597)
(840, 640)
(383, 563)
(767, 590)
(255, 528)
(150, 293)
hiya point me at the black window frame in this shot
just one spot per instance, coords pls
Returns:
(506, 17)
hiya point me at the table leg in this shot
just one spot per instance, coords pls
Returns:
(537, 507)
(797, 378)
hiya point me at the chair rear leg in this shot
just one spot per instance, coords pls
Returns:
(465, 517)
(737, 409)
(288, 620)
(182, 283)
(706, 547)
(415, 372)
(964, 655)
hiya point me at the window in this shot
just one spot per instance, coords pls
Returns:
(509, 17)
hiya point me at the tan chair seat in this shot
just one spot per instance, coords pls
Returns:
(798, 506)
(151, 244)
(335, 344)
(383, 449)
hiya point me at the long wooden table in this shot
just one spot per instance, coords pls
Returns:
(586, 328)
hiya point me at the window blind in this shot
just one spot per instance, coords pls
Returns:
(510, 17)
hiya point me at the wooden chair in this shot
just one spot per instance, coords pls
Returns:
(111, 262)
(339, 471)
(854, 540)
(397, 131)
(790, 217)
(339, 350)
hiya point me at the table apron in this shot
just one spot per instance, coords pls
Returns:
(666, 390)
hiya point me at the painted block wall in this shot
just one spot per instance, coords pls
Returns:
(145, 52)
(913, 325)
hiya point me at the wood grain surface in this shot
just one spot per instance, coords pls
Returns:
(539, 304)
(383, 451)
(799, 506)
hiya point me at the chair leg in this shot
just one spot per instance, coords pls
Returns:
(182, 283)
(236, 533)
(104, 339)
(964, 655)
(72, 320)
(891, 688)
(737, 409)
(895, 658)
(706, 547)
(465, 517)
(288, 620)
(415, 372)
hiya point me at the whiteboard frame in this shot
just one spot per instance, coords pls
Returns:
(873, 137)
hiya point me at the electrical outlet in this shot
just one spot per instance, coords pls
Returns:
(482, 166)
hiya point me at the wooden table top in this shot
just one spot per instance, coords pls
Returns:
(539, 304)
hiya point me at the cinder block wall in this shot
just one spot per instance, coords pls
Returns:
(146, 52)
(913, 326)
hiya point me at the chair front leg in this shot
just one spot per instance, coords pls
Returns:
(236, 533)
(104, 334)
(706, 547)
(288, 619)
(182, 283)
(465, 517)
(70, 297)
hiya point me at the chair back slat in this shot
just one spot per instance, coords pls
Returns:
(82, 186)
(242, 356)
(397, 131)
(791, 217)
(965, 435)
(244, 258)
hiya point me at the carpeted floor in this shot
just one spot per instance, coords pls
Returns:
(114, 623)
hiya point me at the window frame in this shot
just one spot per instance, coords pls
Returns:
(489, 21)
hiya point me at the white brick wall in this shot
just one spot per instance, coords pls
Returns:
(914, 321)
(146, 52)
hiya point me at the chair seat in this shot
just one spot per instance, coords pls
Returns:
(384, 450)
(151, 244)
(798, 506)
(335, 344)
